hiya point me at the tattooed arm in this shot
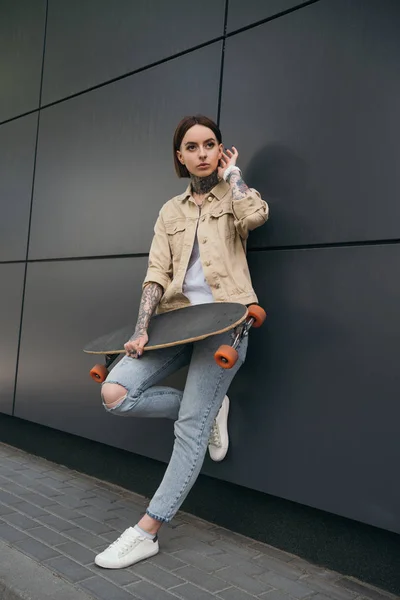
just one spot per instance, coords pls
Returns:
(239, 188)
(150, 298)
(249, 209)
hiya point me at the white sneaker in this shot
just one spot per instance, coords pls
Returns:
(127, 550)
(219, 440)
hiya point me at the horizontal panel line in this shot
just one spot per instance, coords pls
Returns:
(25, 114)
(130, 73)
(326, 245)
(391, 242)
(161, 61)
(271, 18)
(74, 258)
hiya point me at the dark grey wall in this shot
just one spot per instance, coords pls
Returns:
(309, 95)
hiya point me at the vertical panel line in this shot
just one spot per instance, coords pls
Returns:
(222, 62)
(30, 214)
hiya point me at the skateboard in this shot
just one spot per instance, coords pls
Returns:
(182, 326)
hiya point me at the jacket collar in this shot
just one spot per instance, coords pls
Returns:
(219, 191)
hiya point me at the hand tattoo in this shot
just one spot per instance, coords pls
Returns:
(239, 188)
(150, 298)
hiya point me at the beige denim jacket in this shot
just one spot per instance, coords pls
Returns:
(222, 225)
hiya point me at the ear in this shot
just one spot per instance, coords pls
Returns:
(220, 150)
(180, 157)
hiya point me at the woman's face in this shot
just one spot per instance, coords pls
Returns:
(200, 151)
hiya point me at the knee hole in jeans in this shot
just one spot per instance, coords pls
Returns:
(113, 394)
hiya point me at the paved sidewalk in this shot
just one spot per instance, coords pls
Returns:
(60, 519)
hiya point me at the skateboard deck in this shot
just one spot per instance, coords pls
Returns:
(182, 326)
(185, 325)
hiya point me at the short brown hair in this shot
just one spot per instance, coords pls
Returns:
(180, 132)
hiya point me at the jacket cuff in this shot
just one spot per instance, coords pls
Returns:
(154, 277)
(249, 205)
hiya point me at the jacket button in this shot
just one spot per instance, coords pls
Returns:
(204, 240)
(209, 198)
(208, 263)
(217, 285)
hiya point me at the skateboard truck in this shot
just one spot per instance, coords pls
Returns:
(226, 356)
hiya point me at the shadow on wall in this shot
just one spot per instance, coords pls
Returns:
(283, 179)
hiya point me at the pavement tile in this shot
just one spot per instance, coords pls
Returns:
(83, 482)
(311, 569)
(249, 567)
(45, 490)
(99, 514)
(104, 590)
(56, 484)
(188, 591)
(77, 552)
(120, 577)
(62, 511)
(277, 595)
(234, 593)
(21, 521)
(271, 551)
(68, 568)
(86, 538)
(202, 579)
(294, 588)
(148, 591)
(6, 472)
(157, 575)
(30, 509)
(10, 533)
(235, 577)
(205, 563)
(92, 525)
(191, 543)
(71, 502)
(55, 522)
(13, 488)
(326, 587)
(37, 499)
(228, 545)
(6, 510)
(281, 568)
(167, 561)
(48, 536)
(364, 590)
(36, 549)
(7, 498)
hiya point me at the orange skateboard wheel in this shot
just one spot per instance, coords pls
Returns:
(258, 314)
(226, 356)
(99, 373)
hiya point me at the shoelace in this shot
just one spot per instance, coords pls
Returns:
(126, 541)
(215, 437)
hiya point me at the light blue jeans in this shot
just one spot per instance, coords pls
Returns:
(193, 410)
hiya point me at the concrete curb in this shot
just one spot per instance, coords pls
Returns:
(21, 578)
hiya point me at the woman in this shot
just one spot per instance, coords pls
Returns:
(198, 255)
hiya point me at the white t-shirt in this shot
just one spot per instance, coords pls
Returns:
(195, 286)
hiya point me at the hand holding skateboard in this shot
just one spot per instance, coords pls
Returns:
(134, 347)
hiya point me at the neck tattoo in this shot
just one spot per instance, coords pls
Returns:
(203, 185)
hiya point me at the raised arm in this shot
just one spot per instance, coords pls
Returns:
(249, 209)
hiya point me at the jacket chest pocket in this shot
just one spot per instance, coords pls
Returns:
(223, 219)
(176, 232)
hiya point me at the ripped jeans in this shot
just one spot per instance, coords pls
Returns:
(193, 410)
